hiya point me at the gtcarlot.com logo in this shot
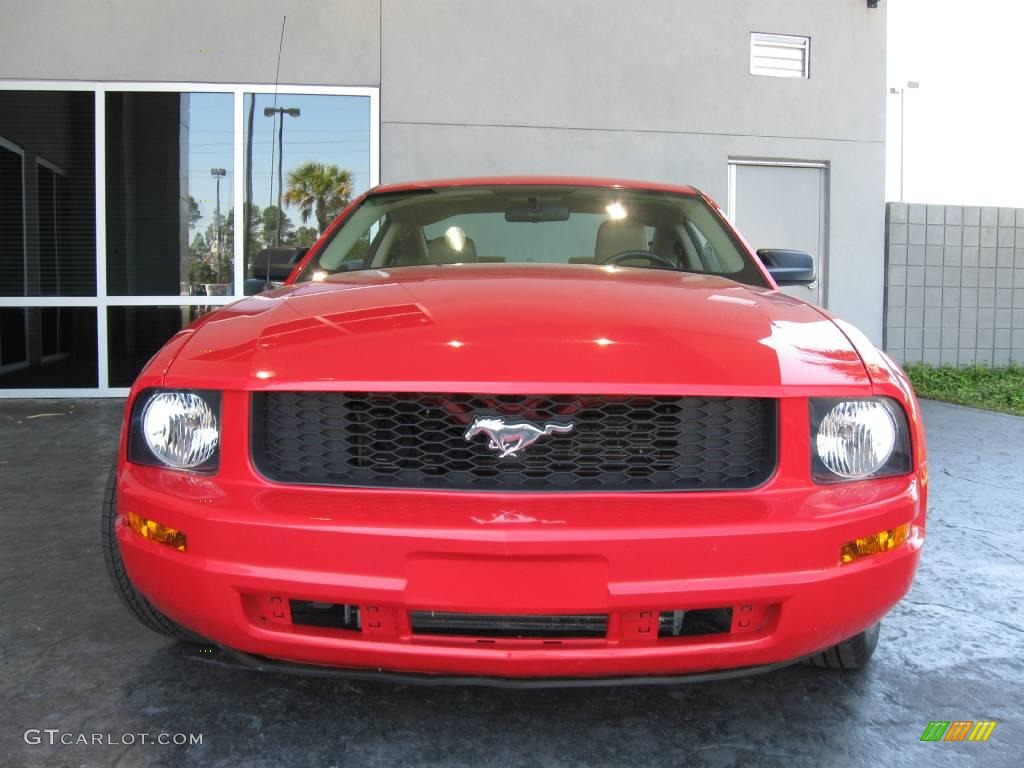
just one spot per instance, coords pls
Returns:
(958, 730)
(56, 737)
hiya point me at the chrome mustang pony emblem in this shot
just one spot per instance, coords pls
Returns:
(509, 439)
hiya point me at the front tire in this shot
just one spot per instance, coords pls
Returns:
(849, 654)
(140, 607)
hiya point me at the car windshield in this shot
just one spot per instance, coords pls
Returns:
(534, 224)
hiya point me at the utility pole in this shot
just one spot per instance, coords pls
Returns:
(912, 84)
(218, 173)
(247, 204)
(282, 111)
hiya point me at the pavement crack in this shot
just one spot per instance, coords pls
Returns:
(982, 482)
(758, 748)
(947, 609)
(1001, 552)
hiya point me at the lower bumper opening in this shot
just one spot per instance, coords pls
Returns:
(704, 621)
(507, 626)
(454, 628)
(328, 615)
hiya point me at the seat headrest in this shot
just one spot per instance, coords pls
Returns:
(667, 244)
(442, 250)
(615, 236)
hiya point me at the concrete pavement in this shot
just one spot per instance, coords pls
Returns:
(74, 660)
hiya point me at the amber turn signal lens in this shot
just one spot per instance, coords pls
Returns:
(882, 541)
(152, 530)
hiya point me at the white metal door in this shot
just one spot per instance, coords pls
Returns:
(783, 205)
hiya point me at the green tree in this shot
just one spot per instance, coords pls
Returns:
(194, 215)
(255, 227)
(200, 268)
(269, 220)
(319, 190)
(306, 236)
(224, 266)
(227, 231)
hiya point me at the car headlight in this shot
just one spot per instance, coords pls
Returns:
(176, 428)
(853, 439)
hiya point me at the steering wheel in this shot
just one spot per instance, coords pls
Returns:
(659, 262)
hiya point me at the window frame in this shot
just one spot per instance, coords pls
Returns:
(101, 301)
(16, 149)
(56, 171)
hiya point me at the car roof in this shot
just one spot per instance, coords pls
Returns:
(539, 181)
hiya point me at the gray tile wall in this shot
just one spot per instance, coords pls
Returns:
(954, 291)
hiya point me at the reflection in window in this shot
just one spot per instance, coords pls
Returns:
(12, 219)
(170, 208)
(306, 158)
(52, 204)
(47, 192)
(47, 347)
(135, 334)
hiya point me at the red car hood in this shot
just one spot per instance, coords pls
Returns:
(517, 328)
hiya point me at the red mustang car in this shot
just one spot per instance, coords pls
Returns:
(522, 431)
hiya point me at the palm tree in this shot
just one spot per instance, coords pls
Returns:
(319, 189)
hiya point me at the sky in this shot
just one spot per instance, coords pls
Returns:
(964, 127)
(329, 129)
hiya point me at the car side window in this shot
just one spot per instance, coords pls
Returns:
(352, 250)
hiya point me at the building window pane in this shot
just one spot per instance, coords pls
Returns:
(307, 156)
(12, 219)
(51, 347)
(47, 193)
(780, 55)
(169, 173)
(52, 204)
(135, 334)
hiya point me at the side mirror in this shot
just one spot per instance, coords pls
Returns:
(788, 267)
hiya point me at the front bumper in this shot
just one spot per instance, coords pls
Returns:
(770, 555)
(229, 657)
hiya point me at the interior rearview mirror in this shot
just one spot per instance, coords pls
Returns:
(788, 267)
(536, 211)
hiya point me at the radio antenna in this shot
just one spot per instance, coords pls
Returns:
(273, 147)
(277, 77)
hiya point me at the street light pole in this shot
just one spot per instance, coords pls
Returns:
(902, 91)
(218, 174)
(270, 112)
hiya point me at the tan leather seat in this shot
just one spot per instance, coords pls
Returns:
(616, 236)
(670, 247)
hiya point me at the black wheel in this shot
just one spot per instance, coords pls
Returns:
(140, 607)
(849, 654)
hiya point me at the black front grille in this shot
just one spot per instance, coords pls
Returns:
(416, 440)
